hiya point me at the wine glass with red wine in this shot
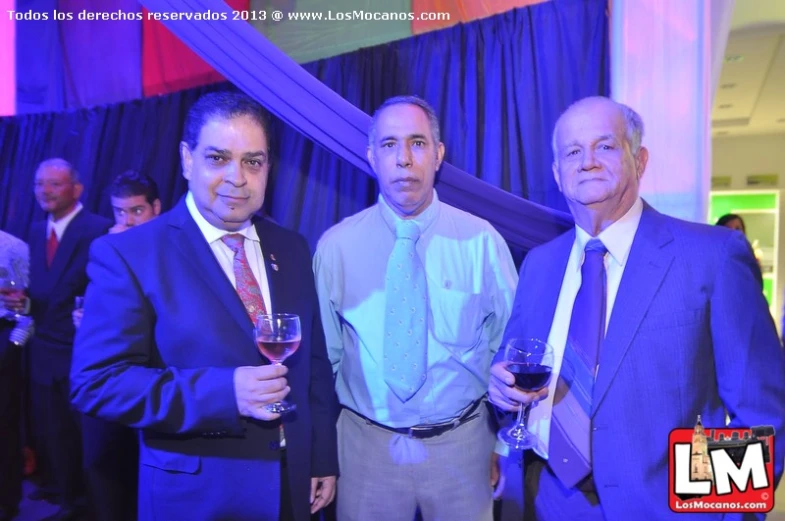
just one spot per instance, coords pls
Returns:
(10, 286)
(278, 336)
(531, 362)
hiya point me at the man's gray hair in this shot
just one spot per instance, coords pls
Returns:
(632, 121)
(433, 121)
(57, 162)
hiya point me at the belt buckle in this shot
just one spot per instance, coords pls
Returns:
(441, 427)
(414, 430)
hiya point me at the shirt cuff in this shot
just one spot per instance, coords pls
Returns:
(501, 448)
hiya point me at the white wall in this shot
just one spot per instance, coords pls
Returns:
(661, 66)
(741, 156)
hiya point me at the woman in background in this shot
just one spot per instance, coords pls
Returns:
(735, 222)
(732, 221)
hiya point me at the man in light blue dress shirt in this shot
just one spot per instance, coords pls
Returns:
(414, 296)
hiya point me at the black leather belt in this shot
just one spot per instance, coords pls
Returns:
(534, 463)
(430, 431)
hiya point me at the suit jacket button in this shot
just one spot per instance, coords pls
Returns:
(564, 460)
(274, 445)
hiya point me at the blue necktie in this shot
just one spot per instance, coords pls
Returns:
(569, 449)
(405, 323)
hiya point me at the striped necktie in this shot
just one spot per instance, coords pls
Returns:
(569, 450)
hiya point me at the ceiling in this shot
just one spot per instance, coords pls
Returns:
(750, 97)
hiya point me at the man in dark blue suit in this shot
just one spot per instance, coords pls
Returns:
(653, 321)
(59, 248)
(166, 344)
(111, 450)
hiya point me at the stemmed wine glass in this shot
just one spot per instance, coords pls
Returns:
(531, 362)
(10, 286)
(278, 336)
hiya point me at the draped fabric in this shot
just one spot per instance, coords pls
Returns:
(69, 63)
(573, 31)
(306, 40)
(459, 11)
(168, 65)
(100, 58)
(95, 52)
(39, 63)
(497, 84)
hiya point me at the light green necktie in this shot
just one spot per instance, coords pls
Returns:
(406, 315)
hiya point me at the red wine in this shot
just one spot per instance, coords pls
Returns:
(277, 350)
(530, 377)
(12, 292)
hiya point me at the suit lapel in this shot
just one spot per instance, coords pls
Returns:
(272, 266)
(67, 246)
(272, 251)
(649, 261)
(189, 240)
(38, 251)
(548, 284)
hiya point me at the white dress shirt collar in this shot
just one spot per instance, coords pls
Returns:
(617, 237)
(60, 225)
(423, 221)
(213, 233)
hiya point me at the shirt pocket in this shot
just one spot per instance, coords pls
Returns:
(457, 316)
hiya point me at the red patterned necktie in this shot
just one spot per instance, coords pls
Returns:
(51, 247)
(245, 282)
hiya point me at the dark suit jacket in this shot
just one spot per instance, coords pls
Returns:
(52, 292)
(163, 332)
(690, 333)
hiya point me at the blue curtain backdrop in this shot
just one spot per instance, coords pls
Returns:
(497, 84)
(69, 64)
